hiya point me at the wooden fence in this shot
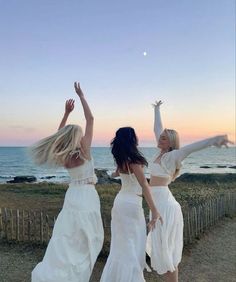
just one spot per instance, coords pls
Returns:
(36, 226)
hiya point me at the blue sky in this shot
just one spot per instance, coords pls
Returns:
(190, 64)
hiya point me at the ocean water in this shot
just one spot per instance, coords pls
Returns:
(15, 161)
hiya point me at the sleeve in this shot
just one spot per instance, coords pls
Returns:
(157, 122)
(183, 152)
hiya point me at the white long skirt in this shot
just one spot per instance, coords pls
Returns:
(165, 242)
(126, 260)
(76, 241)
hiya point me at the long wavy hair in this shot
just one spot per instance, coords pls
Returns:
(56, 149)
(124, 148)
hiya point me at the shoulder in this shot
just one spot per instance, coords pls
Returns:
(135, 166)
(85, 150)
(171, 157)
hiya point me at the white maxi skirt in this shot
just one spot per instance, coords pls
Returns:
(126, 260)
(165, 242)
(76, 241)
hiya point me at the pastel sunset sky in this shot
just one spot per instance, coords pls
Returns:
(126, 54)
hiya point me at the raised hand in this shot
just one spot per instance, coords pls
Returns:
(78, 90)
(224, 141)
(69, 106)
(157, 103)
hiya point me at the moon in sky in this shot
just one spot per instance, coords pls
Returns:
(144, 54)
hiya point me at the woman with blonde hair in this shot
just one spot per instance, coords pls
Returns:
(77, 236)
(165, 243)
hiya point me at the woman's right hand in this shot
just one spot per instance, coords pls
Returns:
(69, 106)
(155, 217)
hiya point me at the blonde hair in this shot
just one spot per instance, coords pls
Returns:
(56, 149)
(173, 137)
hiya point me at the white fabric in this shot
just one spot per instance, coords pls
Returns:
(165, 242)
(157, 170)
(130, 184)
(126, 260)
(83, 174)
(77, 238)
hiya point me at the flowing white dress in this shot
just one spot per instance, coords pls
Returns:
(78, 233)
(126, 260)
(165, 243)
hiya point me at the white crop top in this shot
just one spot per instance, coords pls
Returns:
(130, 184)
(157, 170)
(83, 174)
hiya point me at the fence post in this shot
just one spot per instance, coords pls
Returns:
(17, 225)
(41, 227)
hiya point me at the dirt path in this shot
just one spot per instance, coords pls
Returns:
(213, 258)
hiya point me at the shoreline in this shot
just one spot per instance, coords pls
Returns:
(15, 162)
(188, 189)
(103, 176)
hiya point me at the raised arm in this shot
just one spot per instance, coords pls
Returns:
(183, 152)
(157, 120)
(138, 171)
(88, 135)
(69, 106)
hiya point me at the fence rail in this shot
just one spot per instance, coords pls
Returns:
(36, 226)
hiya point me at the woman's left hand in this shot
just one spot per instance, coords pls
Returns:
(225, 141)
(78, 90)
(155, 217)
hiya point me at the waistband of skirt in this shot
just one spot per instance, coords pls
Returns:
(81, 186)
(130, 197)
(159, 188)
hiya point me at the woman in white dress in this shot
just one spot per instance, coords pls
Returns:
(126, 260)
(78, 233)
(165, 243)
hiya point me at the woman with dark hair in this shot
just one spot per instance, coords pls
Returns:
(126, 260)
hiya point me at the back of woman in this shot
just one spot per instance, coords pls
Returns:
(126, 260)
(78, 234)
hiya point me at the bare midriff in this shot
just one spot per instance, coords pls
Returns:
(158, 181)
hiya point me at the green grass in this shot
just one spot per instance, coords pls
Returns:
(187, 193)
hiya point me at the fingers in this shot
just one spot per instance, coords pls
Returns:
(230, 142)
(69, 105)
(161, 220)
(77, 85)
(70, 102)
(157, 103)
(152, 224)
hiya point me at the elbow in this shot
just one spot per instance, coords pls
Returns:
(144, 185)
(90, 119)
